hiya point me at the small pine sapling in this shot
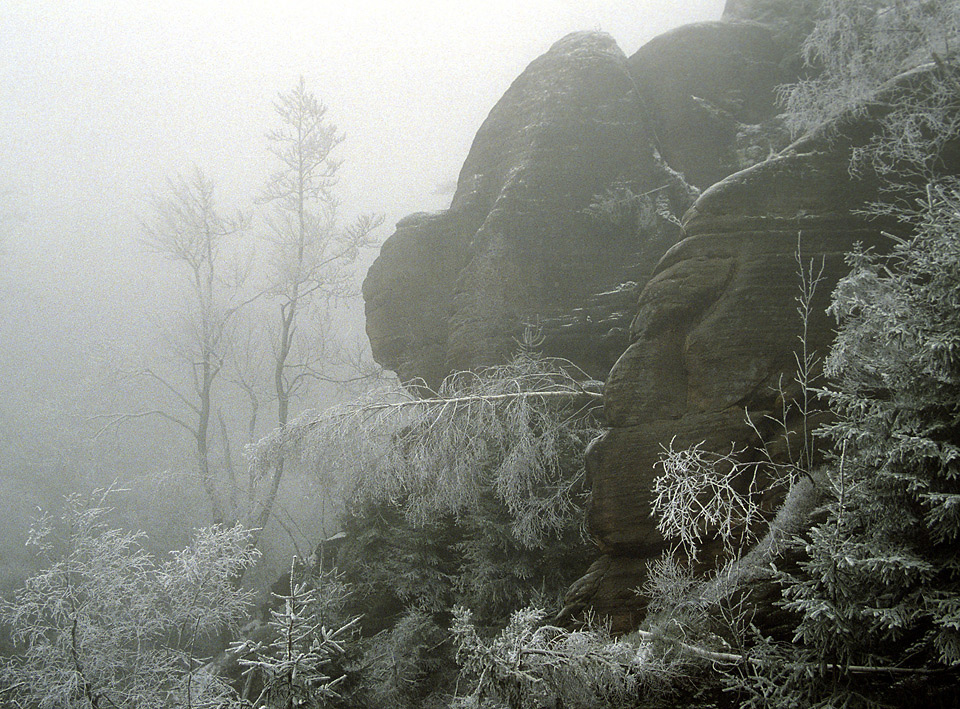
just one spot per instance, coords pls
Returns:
(300, 665)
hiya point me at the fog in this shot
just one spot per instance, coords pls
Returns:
(102, 101)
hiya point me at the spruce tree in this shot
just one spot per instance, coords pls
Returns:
(883, 576)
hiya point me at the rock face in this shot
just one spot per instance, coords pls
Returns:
(451, 290)
(709, 93)
(693, 330)
(714, 340)
(521, 246)
(717, 335)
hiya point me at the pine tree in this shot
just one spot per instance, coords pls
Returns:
(300, 665)
(883, 576)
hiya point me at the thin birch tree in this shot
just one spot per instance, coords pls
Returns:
(311, 254)
(188, 229)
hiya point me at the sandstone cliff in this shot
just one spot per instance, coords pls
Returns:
(714, 341)
(693, 329)
(520, 245)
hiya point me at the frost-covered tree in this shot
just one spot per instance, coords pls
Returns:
(515, 432)
(881, 583)
(302, 662)
(187, 228)
(855, 48)
(883, 577)
(532, 664)
(106, 624)
(310, 254)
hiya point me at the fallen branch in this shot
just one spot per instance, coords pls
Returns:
(729, 658)
(487, 398)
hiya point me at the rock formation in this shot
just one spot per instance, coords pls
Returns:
(717, 334)
(450, 290)
(694, 330)
(714, 341)
(709, 93)
(520, 245)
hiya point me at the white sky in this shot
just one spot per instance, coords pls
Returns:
(101, 100)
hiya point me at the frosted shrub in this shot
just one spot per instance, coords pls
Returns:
(701, 494)
(515, 431)
(106, 624)
(858, 45)
(530, 664)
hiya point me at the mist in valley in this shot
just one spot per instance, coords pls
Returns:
(103, 105)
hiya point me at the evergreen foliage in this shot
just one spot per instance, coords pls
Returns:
(302, 664)
(408, 665)
(472, 559)
(883, 578)
(621, 208)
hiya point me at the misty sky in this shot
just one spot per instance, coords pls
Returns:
(101, 101)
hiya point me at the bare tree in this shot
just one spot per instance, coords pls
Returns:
(187, 229)
(311, 255)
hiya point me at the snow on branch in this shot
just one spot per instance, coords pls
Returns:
(516, 430)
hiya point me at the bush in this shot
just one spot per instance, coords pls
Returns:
(408, 665)
(530, 664)
(106, 624)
